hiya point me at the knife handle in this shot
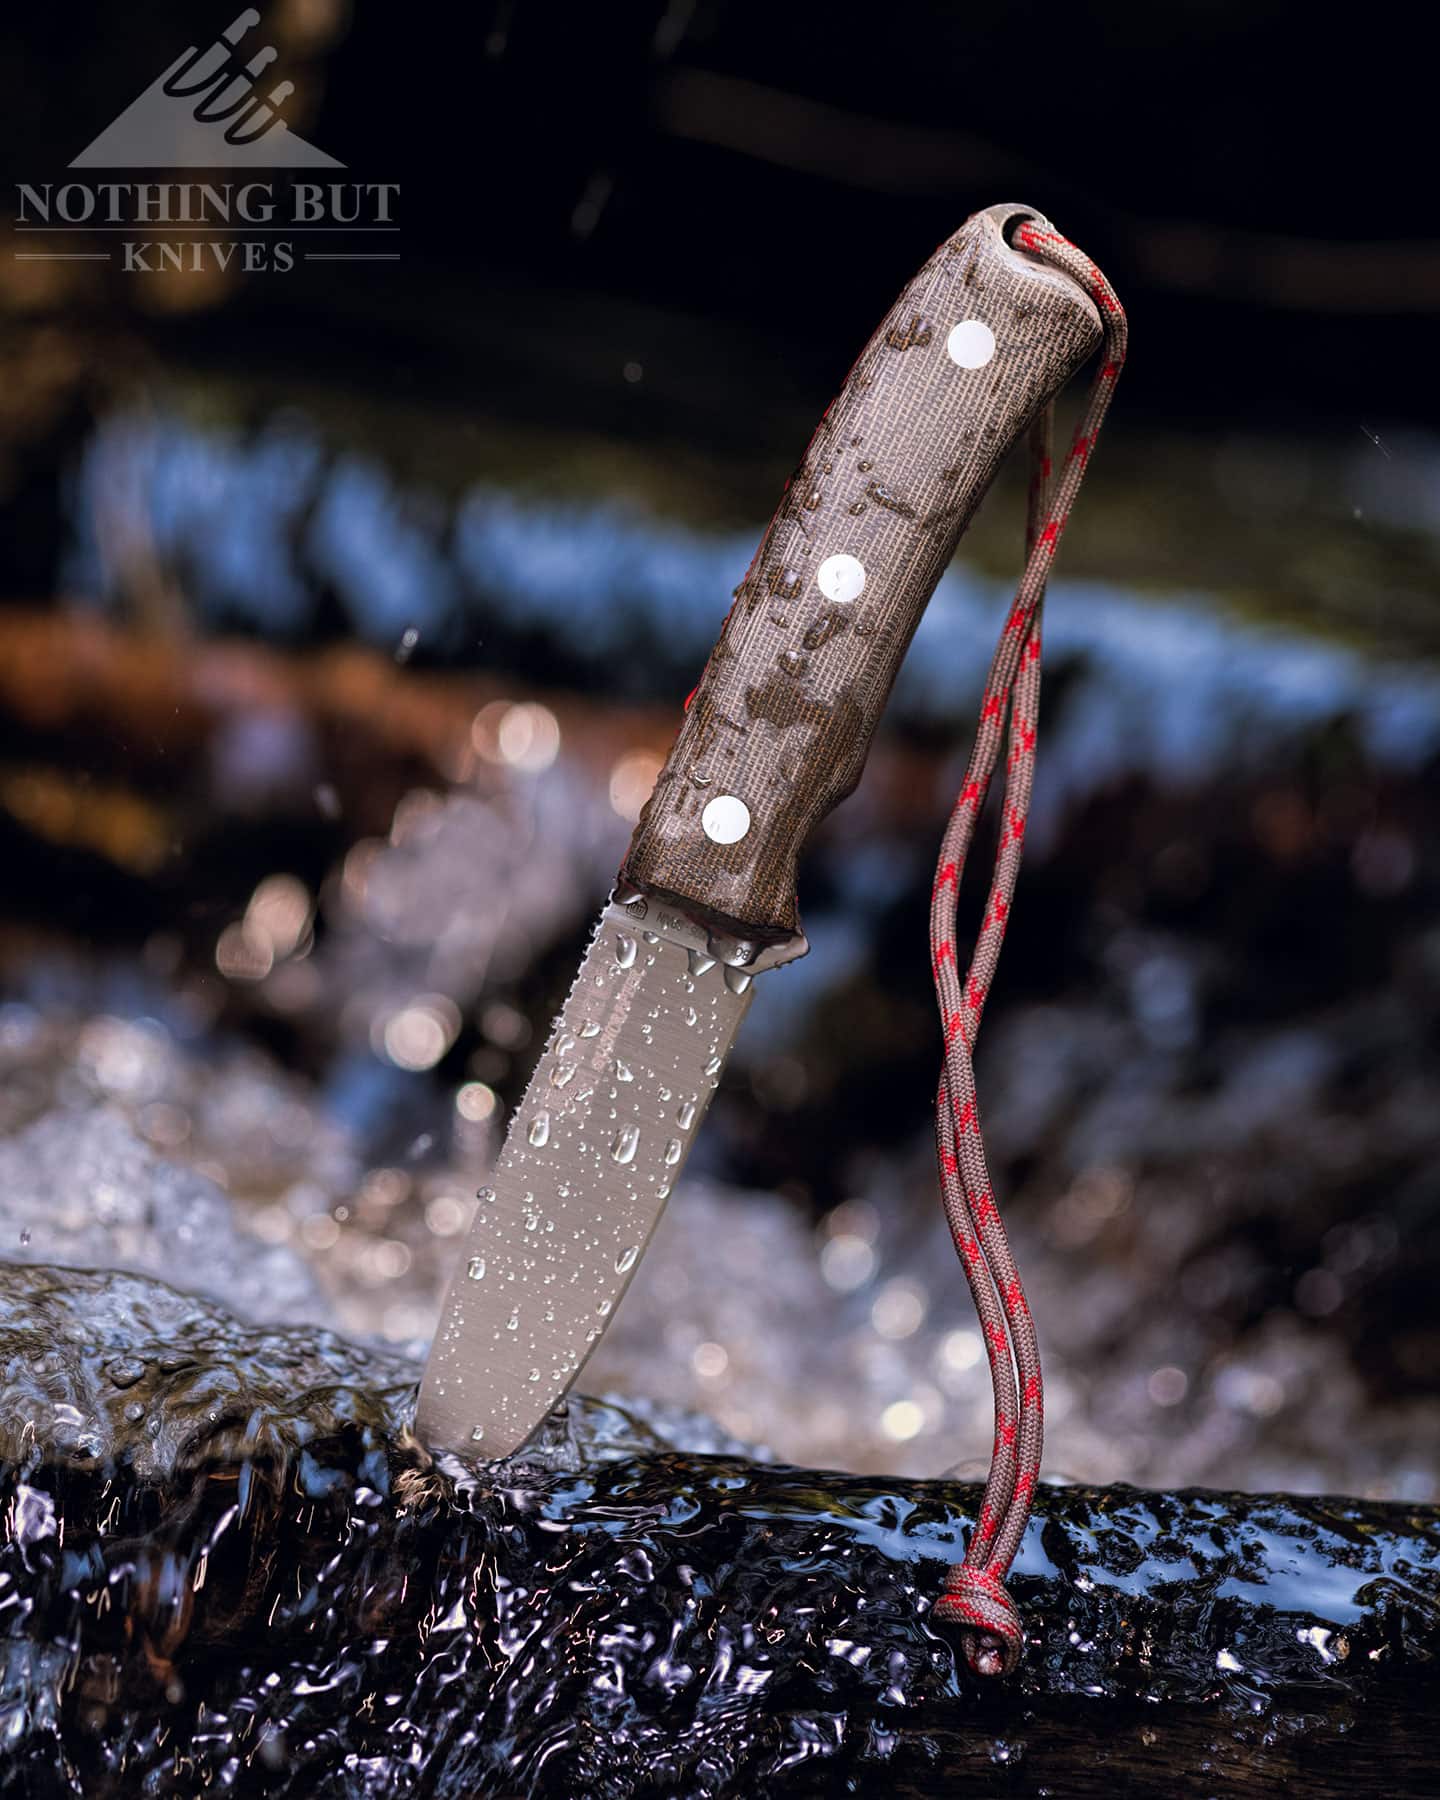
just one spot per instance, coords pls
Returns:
(778, 730)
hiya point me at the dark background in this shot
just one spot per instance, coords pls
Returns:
(1257, 182)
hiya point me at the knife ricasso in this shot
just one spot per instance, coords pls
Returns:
(778, 731)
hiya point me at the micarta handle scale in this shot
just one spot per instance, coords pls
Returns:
(777, 732)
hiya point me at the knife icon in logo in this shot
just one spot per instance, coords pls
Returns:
(207, 110)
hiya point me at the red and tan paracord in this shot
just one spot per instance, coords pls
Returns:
(974, 1594)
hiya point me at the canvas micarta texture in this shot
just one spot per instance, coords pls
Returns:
(794, 688)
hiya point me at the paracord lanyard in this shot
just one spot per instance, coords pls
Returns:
(974, 1593)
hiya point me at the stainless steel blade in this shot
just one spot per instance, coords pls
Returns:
(590, 1158)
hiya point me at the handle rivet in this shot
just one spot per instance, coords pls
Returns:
(971, 343)
(841, 578)
(726, 819)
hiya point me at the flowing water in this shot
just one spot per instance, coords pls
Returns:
(227, 1566)
(264, 1021)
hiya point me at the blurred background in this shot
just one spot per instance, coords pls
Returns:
(346, 609)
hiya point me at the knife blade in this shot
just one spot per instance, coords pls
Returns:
(775, 735)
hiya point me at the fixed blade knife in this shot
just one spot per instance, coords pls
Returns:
(774, 737)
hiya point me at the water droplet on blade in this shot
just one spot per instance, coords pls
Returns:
(627, 1259)
(626, 950)
(539, 1133)
(627, 1140)
(475, 1268)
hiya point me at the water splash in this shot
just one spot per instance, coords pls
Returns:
(270, 1558)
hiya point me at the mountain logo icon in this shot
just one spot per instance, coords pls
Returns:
(206, 112)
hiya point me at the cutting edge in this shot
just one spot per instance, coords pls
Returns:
(590, 1158)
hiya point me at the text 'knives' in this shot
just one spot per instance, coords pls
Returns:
(775, 736)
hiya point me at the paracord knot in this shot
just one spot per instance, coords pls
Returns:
(977, 1600)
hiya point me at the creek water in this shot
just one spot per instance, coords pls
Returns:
(278, 956)
(227, 1565)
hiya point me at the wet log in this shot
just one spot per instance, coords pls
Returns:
(226, 1565)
